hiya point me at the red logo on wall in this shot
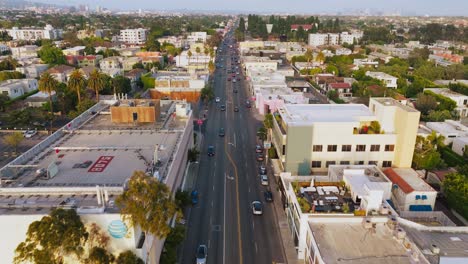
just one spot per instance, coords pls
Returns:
(101, 164)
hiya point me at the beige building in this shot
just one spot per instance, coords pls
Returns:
(309, 138)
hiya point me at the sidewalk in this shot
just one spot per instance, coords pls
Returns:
(191, 172)
(283, 228)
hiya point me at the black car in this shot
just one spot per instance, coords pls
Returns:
(221, 132)
(223, 108)
(235, 90)
(260, 157)
(236, 109)
(268, 196)
(211, 151)
(262, 170)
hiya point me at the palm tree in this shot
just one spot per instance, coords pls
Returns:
(76, 82)
(197, 50)
(206, 51)
(189, 54)
(96, 82)
(309, 56)
(48, 84)
(436, 140)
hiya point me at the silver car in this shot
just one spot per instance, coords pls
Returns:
(201, 254)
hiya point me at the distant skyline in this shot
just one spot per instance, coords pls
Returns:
(404, 7)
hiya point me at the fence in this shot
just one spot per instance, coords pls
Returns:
(427, 217)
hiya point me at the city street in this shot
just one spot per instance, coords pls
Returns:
(228, 182)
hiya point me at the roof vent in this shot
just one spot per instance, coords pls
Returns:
(435, 249)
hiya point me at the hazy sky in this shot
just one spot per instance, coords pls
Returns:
(421, 7)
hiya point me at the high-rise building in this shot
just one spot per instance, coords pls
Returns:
(134, 36)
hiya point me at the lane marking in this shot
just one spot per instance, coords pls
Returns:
(256, 248)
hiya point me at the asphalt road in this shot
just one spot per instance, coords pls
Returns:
(227, 184)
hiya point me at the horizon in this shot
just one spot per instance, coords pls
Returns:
(336, 7)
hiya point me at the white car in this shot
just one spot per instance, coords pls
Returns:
(257, 208)
(30, 133)
(218, 99)
(201, 254)
(264, 180)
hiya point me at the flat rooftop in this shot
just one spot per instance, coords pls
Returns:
(354, 244)
(320, 113)
(445, 92)
(412, 178)
(451, 244)
(447, 127)
(388, 101)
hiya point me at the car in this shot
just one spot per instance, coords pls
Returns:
(221, 132)
(217, 100)
(194, 197)
(211, 151)
(258, 149)
(268, 196)
(264, 179)
(229, 79)
(29, 133)
(260, 157)
(262, 170)
(223, 108)
(202, 252)
(235, 91)
(236, 109)
(85, 164)
(233, 80)
(247, 104)
(257, 208)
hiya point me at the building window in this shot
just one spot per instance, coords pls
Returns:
(373, 162)
(389, 147)
(360, 148)
(359, 162)
(386, 163)
(346, 148)
(344, 162)
(316, 164)
(375, 148)
(330, 163)
(317, 148)
(331, 148)
(284, 149)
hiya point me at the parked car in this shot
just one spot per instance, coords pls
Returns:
(258, 149)
(257, 208)
(202, 252)
(262, 170)
(264, 179)
(194, 196)
(229, 79)
(260, 157)
(268, 196)
(211, 151)
(235, 91)
(29, 133)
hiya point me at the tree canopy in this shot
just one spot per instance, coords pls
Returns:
(51, 55)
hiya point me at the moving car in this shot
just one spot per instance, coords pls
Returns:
(217, 99)
(264, 179)
(194, 196)
(268, 196)
(211, 151)
(257, 208)
(236, 109)
(29, 133)
(201, 254)
(223, 108)
(221, 132)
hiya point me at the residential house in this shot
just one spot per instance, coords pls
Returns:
(128, 62)
(380, 56)
(61, 72)
(449, 129)
(134, 76)
(28, 51)
(460, 99)
(359, 63)
(17, 87)
(39, 99)
(306, 27)
(74, 51)
(342, 89)
(388, 80)
(83, 61)
(112, 66)
(33, 70)
(460, 145)
(343, 51)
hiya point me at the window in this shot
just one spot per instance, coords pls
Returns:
(316, 164)
(386, 163)
(317, 148)
(344, 162)
(346, 148)
(389, 147)
(330, 163)
(331, 148)
(374, 148)
(359, 162)
(284, 149)
(373, 162)
(360, 148)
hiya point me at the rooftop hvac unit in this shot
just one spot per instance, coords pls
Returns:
(367, 224)
(384, 210)
(435, 249)
(400, 233)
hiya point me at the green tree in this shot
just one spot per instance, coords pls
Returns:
(98, 255)
(332, 69)
(320, 57)
(262, 133)
(4, 99)
(455, 186)
(309, 55)
(76, 83)
(89, 50)
(436, 140)
(174, 238)
(121, 84)
(13, 140)
(189, 55)
(128, 257)
(96, 82)
(425, 103)
(48, 84)
(48, 240)
(138, 65)
(438, 116)
(51, 55)
(147, 203)
(207, 93)
(197, 50)
(426, 156)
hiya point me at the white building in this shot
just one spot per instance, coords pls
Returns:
(133, 36)
(359, 63)
(17, 87)
(4, 48)
(48, 32)
(74, 51)
(33, 70)
(319, 39)
(450, 129)
(197, 37)
(198, 60)
(258, 63)
(410, 192)
(310, 138)
(343, 51)
(460, 99)
(28, 51)
(388, 80)
(460, 145)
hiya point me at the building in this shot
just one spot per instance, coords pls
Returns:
(409, 191)
(178, 42)
(343, 51)
(359, 63)
(460, 99)
(39, 99)
(86, 171)
(33, 34)
(4, 49)
(449, 129)
(133, 36)
(342, 89)
(269, 99)
(61, 72)
(310, 138)
(83, 61)
(128, 63)
(306, 27)
(176, 86)
(251, 63)
(388, 80)
(196, 60)
(17, 87)
(197, 37)
(134, 76)
(320, 39)
(82, 34)
(33, 70)
(28, 51)
(112, 66)
(74, 51)
(380, 56)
